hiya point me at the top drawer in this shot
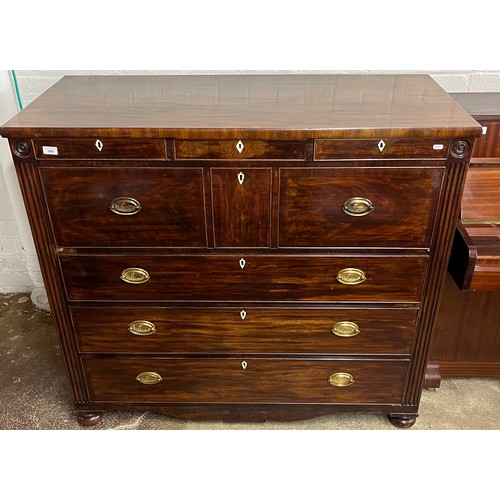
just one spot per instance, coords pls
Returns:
(97, 149)
(488, 145)
(239, 150)
(336, 149)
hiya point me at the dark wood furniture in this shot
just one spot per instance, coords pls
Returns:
(244, 247)
(467, 338)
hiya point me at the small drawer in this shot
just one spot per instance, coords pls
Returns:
(100, 149)
(247, 329)
(380, 148)
(245, 380)
(488, 144)
(239, 278)
(239, 150)
(113, 207)
(475, 257)
(358, 207)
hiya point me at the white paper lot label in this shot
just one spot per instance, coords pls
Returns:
(50, 150)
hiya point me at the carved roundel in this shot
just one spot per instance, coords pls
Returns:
(460, 149)
(22, 148)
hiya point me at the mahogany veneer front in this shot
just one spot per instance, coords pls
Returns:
(264, 380)
(238, 150)
(245, 329)
(404, 204)
(256, 200)
(375, 149)
(171, 200)
(115, 149)
(263, 278)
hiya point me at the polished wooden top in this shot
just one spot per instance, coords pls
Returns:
(479, 104)
(247, 106)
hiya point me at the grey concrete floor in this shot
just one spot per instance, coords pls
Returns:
(34, 393)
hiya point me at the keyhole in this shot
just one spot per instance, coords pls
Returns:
(99, 145)
(241, 177)
(244, 365)
(243, 314)
(242, 263)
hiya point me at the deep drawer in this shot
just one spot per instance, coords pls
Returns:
(249, 278)
(105, 149)
(379, 148)
(239, 150)
(156, 206)
(190, 330)
(358, 207)
(244, 380)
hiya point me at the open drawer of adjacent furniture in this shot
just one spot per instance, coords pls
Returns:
(475, 256)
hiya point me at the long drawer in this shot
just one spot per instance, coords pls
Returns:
(120, 207)
(244, 380)
(251, 278)
(192, 330)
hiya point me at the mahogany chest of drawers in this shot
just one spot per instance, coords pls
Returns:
(244, 247)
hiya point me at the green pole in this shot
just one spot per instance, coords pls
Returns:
(16, 86)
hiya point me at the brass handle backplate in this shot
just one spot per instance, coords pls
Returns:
(345, 329)
(340, 379)
(358, 207)
(125, 206)
(134, 275)
(142, 327)
(351, 276)
(149, 378)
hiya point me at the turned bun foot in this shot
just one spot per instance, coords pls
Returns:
(89, 419)
(402, 420)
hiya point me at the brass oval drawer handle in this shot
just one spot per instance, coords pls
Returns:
(149, 378)
(358, 207)
(345, 329)
(134, 275)
(125, 206)
(351, 276)
(340, 379)
(142, 327)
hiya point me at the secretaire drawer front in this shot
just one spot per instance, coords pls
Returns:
(100, 149)
(363, 207)
(126, 207)
(379, 148)
(238, 278)
(239, 150)
(244, 329)
(245, 380)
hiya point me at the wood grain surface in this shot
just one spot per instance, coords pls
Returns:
(244, 329)
(253, 106)
(264, 380)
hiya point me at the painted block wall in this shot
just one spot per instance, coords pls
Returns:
(13, 273)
